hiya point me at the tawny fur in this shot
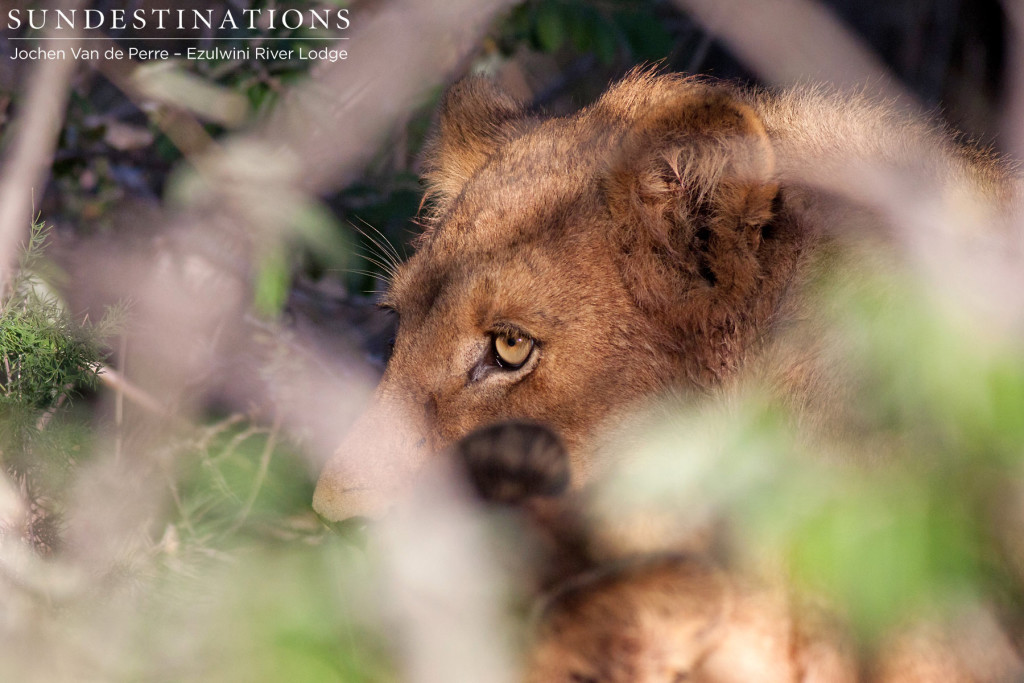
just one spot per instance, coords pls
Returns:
(658, 240)
(610, 616)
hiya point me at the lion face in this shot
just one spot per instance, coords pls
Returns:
(571, 267)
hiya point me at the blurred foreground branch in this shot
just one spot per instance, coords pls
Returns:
(852, 132)
(27, 163)
(335, 123)
(794, 41)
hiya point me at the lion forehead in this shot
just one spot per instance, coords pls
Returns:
(515, 278)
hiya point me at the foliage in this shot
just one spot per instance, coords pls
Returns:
(241, 526)
(232, 577)
(46, 357)
(239, 494)
(631, 30)
(901, 511)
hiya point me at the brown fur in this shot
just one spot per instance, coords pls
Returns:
(653, 620)
(655, 241)
(611, 616)
(672, 619)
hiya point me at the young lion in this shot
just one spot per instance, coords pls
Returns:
(655, 241)
(609, 615)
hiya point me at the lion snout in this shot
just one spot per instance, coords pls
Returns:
(372, 467)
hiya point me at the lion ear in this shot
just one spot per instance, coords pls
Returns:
(689, 193)
(476, 117)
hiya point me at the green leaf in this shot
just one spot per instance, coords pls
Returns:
(273, 278)
(550, 27)
(887, 550)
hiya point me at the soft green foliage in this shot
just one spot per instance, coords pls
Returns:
(232, 577)
(282, 596)
(45, 355)
(940, 391)
(272, 281)
(234, 580)
(904, 510)
(46, 358)
(628, 29)
(236, 571)
(234, 474)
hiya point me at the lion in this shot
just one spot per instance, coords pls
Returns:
(608, 614)
(657, 241)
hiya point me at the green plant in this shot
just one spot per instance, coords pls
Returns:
(46, 356)
(46, 359)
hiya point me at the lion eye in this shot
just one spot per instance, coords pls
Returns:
(512, 350)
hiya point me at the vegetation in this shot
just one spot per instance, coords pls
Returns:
(46, 358)
(175, 522)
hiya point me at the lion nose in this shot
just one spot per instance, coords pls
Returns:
(337, 503)
(372, 467)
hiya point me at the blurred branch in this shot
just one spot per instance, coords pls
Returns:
(180, 126)
(32, 145)
(871, 145)
(123, 388)
(334, 123)
(700, 53)
(794, 41)
(249, 191)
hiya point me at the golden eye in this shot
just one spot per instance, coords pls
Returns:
(512, 350)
